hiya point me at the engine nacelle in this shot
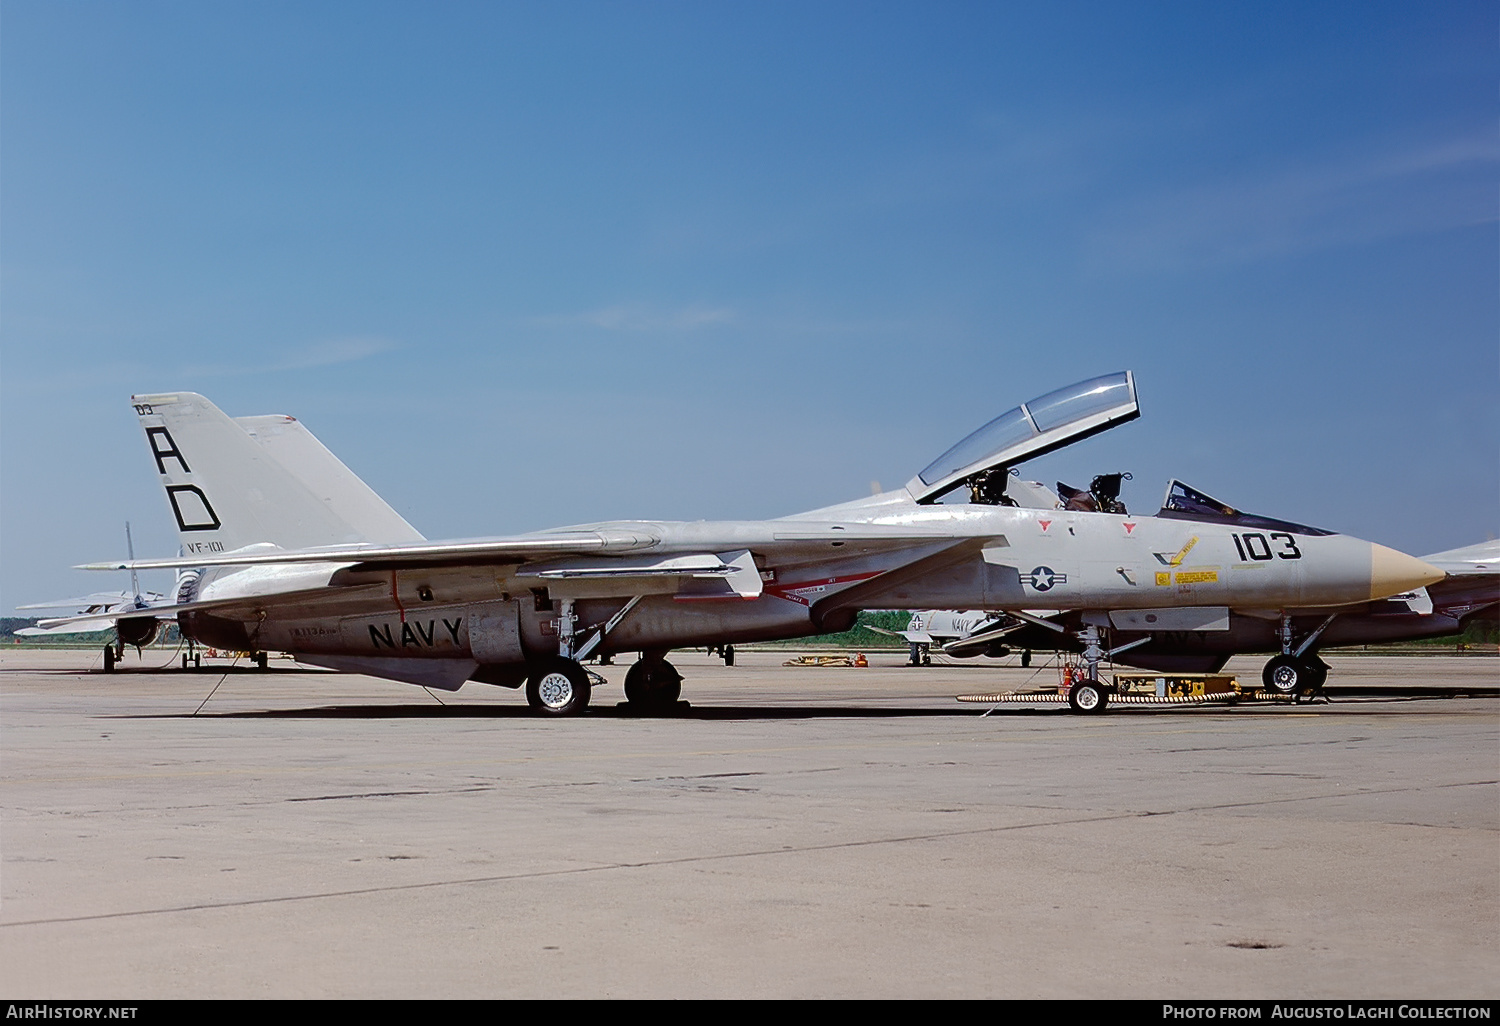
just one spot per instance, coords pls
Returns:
(137, 630)
(187, 586)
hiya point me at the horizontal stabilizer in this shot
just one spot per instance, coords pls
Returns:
(50, 628)
(99, 601)
(169, 611)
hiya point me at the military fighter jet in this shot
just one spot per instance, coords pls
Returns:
(272, 560)
(103, 611)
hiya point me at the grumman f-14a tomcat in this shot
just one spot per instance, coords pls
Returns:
(284, 549)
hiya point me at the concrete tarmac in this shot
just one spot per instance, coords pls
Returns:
(799, 832)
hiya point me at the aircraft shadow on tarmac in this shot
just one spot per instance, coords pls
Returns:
(1369, 703)
(1367, 695)
(521, 711)
(174, 670)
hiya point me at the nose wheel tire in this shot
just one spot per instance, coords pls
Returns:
(1088, 697)
(1286, 675)
(558, 687)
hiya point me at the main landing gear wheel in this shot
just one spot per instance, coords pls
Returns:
(558, 687)
(109, 659)
(652, 685)
(1088, 697)
(1287, 675)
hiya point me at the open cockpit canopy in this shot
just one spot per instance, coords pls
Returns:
(1184, 503)
(1032, 429)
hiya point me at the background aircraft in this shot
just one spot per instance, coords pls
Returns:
(103, 611)
(277, 557)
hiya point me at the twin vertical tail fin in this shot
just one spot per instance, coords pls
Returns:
(233, 483)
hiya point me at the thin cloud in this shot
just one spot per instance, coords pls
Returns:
(639, 317)
(336, 350)
(1356, 200)
(325, 353)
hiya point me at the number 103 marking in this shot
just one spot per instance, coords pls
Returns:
(1255, 546)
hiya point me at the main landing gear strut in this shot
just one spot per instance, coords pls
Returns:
(559, 685)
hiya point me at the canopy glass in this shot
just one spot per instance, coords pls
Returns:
(1033, 428)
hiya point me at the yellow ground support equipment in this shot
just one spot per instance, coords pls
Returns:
(1147, 688)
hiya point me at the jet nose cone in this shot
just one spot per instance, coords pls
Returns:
(1392, 572)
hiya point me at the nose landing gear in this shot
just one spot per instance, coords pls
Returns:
(1297, 670)
(1290, 675)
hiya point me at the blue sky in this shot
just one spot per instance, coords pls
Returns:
(523, 265)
